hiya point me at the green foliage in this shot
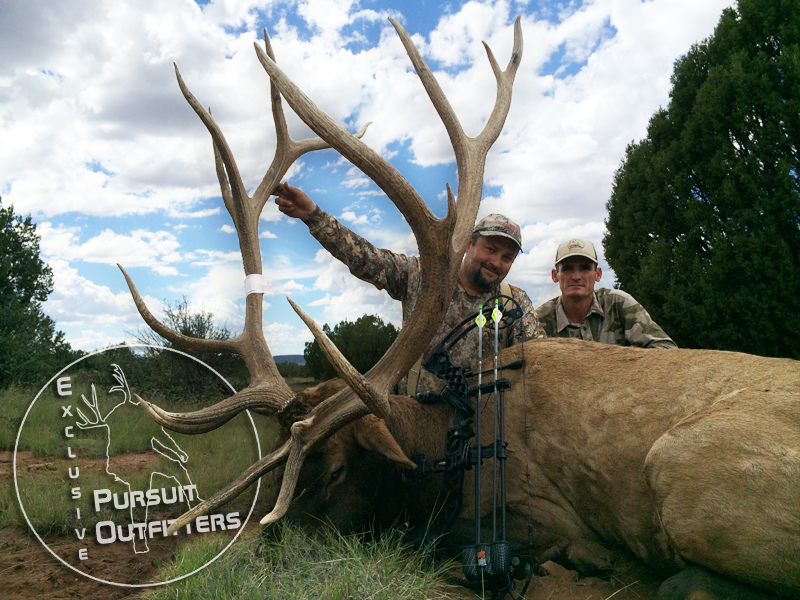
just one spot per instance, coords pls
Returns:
(704, 217)
(173, 375)
(31, 349)
(292, 369)
(297, 564)
(362, 342)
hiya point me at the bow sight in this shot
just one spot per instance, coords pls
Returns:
(486, 564)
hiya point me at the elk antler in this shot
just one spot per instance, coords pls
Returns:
(441, 244)
(267, 391)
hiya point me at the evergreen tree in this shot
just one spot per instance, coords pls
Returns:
(704, 216)
(31, 350)
(362, 342)
(178, 377)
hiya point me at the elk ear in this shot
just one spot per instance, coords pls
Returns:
(372, 434)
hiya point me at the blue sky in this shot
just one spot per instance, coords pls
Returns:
(101, 148)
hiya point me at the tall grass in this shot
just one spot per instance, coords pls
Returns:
(14, 401)
(295, 564)
(215, 459)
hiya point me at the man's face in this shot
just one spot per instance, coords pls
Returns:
(576, 277)
(487, 261)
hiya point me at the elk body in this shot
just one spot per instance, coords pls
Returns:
(679, 456)
(682, 457)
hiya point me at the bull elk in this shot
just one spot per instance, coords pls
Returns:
(685, 457)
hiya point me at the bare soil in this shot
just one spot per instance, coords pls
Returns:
(29, 571)
(29, 463)
(629, 580)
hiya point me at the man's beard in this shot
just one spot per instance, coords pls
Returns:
(481, 282)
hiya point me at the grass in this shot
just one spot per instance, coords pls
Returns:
(296, 564)
(215, 459)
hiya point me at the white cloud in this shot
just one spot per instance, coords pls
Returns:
(83, 306)
(348, 297)
(94, 127)
(227, 229)
(221, 292)
(350, 217)
(292, 285)
(141, 248)
(286, 339)
(204, 258)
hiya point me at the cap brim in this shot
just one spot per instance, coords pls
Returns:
(499, 234)
(581, 254)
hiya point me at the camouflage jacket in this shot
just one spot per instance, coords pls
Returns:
(399, 275)
(614, 318)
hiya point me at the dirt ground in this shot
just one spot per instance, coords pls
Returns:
(30, 572)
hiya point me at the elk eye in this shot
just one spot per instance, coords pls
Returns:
(336, 475)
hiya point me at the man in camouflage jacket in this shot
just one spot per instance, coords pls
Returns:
(603, 315)
(490, 253)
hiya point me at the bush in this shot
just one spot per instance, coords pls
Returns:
(362, 342)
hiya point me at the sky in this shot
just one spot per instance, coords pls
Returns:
(99, 146)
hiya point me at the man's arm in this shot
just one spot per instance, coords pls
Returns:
(382, 268)
(640, 329)
(531, 327)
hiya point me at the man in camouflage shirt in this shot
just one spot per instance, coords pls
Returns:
(490, 253)
(603, 315)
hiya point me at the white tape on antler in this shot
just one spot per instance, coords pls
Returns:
(256, 284)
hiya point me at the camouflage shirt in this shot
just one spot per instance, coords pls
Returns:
(399, 275)
(614, 318)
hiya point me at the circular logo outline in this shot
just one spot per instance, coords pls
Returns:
(50, 550)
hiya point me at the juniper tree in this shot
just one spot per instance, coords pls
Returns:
(704, 217)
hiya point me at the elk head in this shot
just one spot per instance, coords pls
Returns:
(441, 244)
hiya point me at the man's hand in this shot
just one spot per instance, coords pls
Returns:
(292, 201)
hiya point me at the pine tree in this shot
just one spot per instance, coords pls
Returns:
(362, 342)
(31, 350)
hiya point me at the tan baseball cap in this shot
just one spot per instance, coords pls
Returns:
(495, 224)
(576, 247)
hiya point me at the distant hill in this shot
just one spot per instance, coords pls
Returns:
(295, 358)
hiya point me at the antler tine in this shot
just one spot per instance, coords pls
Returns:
(291, 473)
(262, 467)
(435, 93)
(234, 180)
(262, 399)
(377, 403)
(505, 82)
(184, 341)
(288, 150)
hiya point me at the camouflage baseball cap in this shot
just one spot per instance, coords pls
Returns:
(495, 224)
(576, 247)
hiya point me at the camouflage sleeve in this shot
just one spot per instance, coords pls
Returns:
(640, 329)
(382, 268)
(531, 327)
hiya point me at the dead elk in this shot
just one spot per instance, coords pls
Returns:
(688, 457)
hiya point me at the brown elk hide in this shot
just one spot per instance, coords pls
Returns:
(682, 455)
